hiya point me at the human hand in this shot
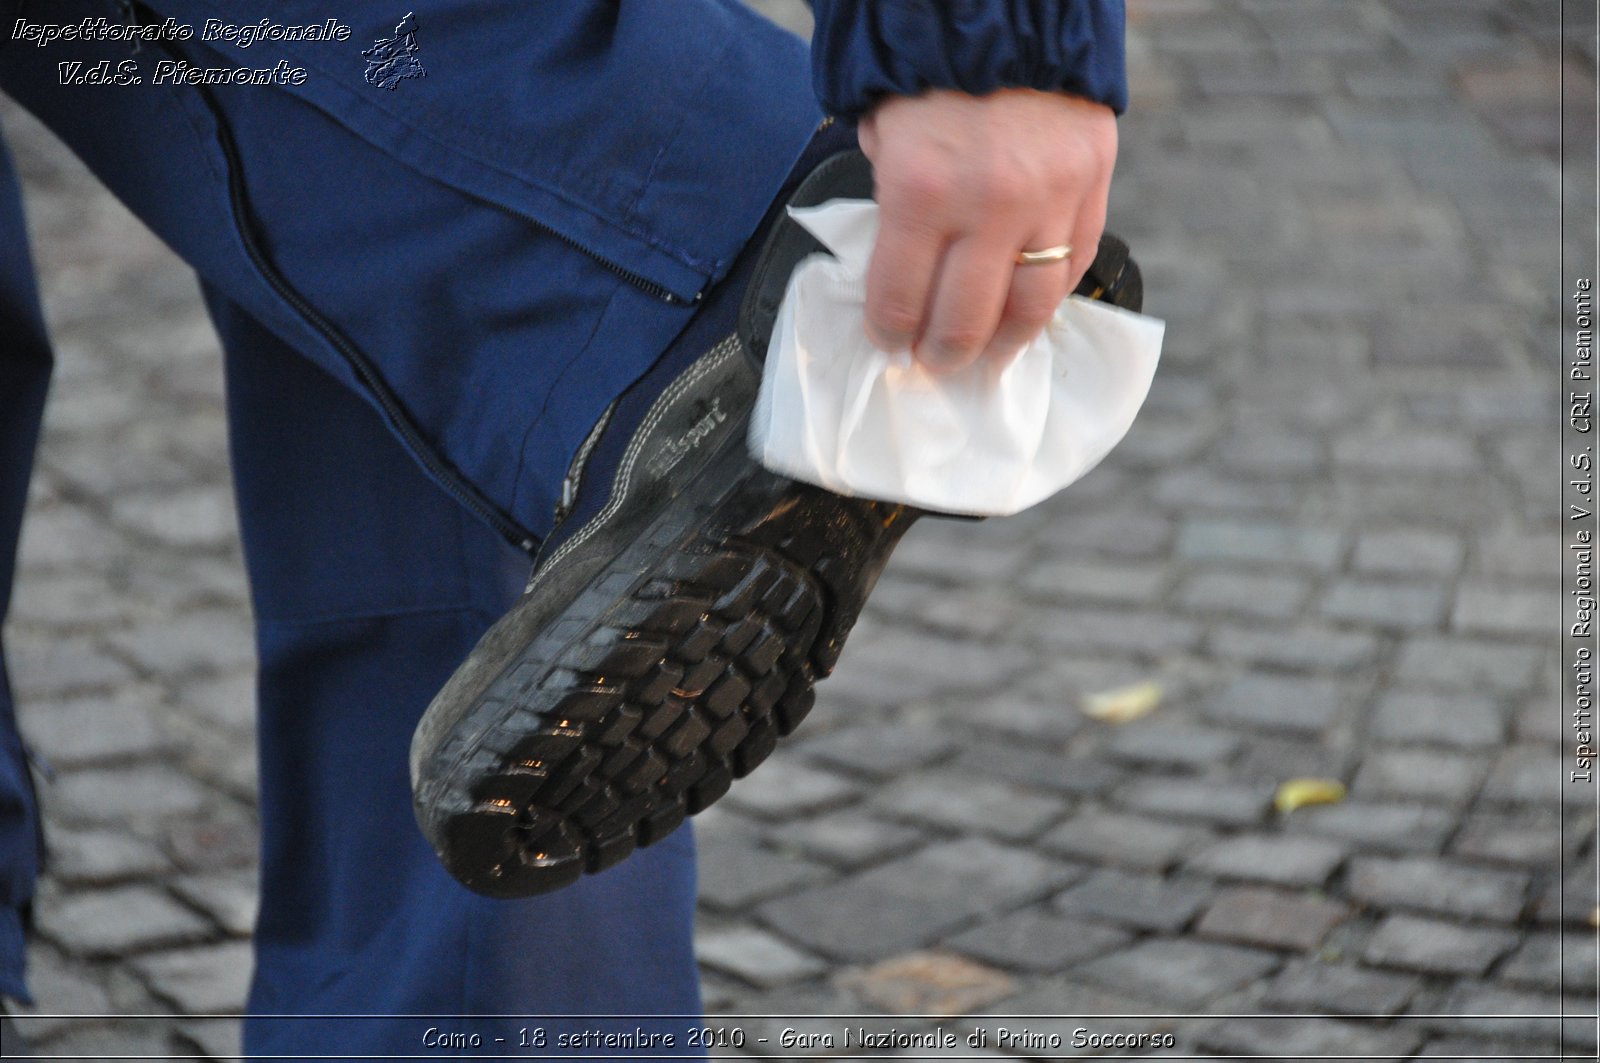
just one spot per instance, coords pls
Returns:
(964, 183)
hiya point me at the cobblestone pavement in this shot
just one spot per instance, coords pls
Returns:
(1332, 537)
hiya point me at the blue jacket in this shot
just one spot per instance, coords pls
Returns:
(520, 102)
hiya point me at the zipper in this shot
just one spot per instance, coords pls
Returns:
(395, 413)
(574, 478)
(644, 284)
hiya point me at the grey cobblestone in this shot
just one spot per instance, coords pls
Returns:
(1110, 838)
(1427, 718)
(1439, 886)
(1036, 941)
(957, 803)
(1224, 804)
(1424, 774)
(1467, 664)
(1310, 1038)
(1381, 825)
(1277, 703)
(1265, 595)
(755, 956)
(126, 919)
(1384, 604)
(1250, 915)
(1184, 973)
(1174, 745)
(1307, 648)
(1340, 989)
(1279, 859)
(210, 980)
(1434, 947)
(1141, 902)
(1409, 552)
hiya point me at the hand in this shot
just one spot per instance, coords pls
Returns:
(963, 184)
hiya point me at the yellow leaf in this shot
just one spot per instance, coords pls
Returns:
(1122, 704)
(1297, 793)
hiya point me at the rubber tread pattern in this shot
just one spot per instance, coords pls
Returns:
(686, 684)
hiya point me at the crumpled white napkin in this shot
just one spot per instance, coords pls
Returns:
(837, 412)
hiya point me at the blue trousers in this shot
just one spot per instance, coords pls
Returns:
(426, 295)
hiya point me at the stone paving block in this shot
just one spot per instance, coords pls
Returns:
(1459, 663)
(1532, 837)
(1518, 1015)
(114, 795)
(66, 601)
(786, 787)
(1180, 972)
(1036, 718)
(1036, 941)
(113, 922)
(1517, 554)
(1138, 534)
(928, 983)
(64, 537)
(1434, 947)
(228, 898)
(849, 838)
(219, 1039)
(43, 668)
(1203, 488)
(1533, 775)
(1251, 915)
(879, 750)
(1271, 759)
(1424, 774)
(734, 874)
(221, 838)
(1414, 450)
(949, 555)
(756, 956)
(1279, 859)
(1310, 1039)
(975, 613)
(213, 979)
(1308, 648)
(914, 900)
(1164, 744)
(1262, 595)
(229, 701)
(1221, 803)
(1262, 542)
(1050, 1009)
(900, 667)
(1409, 552)
(61, 993)
(102, 857)
(206, 642)
(1379, 825)
(1456, 719)
(1146, 632)
(140, 1039)
(96, 730)
(1384, 604)
(1553, 962)
(1125, 582)
(1503, 610)
(1104, 838)
(193, 518)
(956, 802)
(1141, 902)
(1444, 887)
(1277, 703)
(1338, 989)
(1080, 776)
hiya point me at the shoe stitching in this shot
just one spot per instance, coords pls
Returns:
(719, 354)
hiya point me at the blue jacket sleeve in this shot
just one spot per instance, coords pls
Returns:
(864, 49)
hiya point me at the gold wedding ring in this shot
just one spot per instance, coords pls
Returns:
(1058, 253)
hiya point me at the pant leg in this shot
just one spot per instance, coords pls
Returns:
(490, 301)
(24, 373)
(369, 586)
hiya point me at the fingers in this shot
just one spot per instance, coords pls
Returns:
(974, 280)
(900, 279)
(1035, 293)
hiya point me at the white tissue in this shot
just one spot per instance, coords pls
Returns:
(837, 412)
